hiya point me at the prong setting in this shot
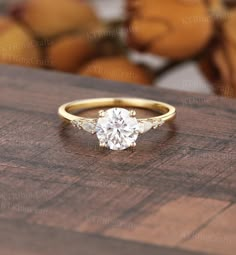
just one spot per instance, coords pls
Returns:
(102, 144)
(132, 113)
(101, 113)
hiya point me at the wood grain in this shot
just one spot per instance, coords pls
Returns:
(61, 194)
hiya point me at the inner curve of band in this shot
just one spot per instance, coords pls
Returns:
(118, 102)
(167, 111)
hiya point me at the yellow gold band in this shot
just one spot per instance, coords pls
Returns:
(168, 112)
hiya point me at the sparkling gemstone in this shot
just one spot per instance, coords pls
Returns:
(117, 129)
(89, 126)
(144, 126)
(76, 123)
(158, 123)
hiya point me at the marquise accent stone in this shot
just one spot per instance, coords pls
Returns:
(144, 126)
(89, 126)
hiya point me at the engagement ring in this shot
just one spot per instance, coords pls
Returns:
(117, 128)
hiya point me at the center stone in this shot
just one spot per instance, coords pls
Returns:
(117, 129)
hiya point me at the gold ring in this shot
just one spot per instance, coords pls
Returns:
(117, 128)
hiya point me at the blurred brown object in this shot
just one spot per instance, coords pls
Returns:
(68, 53)
(220, 64)
(230, 3)
(170, 28)
(117, 69)
(47, 18)
(16, 45)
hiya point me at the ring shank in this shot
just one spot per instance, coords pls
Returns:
(66, 110)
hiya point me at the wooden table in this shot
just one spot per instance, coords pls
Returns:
(61, 194)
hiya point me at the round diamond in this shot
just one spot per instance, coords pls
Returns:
(117, 129)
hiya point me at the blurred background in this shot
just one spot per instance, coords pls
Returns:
(187, 45)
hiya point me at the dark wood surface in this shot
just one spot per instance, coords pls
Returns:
(61, 194)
